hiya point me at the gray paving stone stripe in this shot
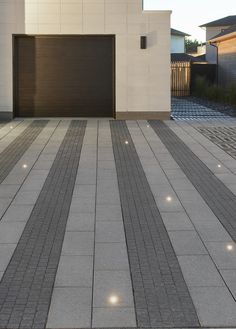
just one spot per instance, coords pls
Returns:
(27, 284)
(14, 151)
(218, 197)
(161, 295)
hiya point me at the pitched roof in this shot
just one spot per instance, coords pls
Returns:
(225, 32)
(183, 57)
(226, 21)
(179, 33)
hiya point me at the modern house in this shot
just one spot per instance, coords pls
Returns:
(225, 43)
(178, 41)
(213, 29)
(80, 58)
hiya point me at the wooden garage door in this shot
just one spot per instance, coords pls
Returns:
(64, 76)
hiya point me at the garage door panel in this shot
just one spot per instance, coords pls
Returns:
(65, 76)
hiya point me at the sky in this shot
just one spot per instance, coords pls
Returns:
(187, 15)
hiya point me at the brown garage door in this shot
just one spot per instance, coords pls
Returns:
(64, 76)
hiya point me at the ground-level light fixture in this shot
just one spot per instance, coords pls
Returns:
(113, 300)
(168, 198)
(126, 142)
(25, 166)
(230, 247)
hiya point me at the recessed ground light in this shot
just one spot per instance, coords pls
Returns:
(126, 142)
(230, 247)
(24, 166)
(219, 166)
(11, 127)
(169, 199)
(113, 300)
(148, 126)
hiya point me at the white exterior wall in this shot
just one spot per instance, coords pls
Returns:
(177, 44)
(211, 52)
(142, 76)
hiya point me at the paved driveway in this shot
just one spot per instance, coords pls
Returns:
(117, 224)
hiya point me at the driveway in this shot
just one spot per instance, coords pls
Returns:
(117, 224)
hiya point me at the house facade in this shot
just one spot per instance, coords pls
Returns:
(178, 41)
(225, 42)
(84, 58)
(213, 29)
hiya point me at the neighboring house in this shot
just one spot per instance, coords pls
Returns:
(212, 29)
(225, 42)
(177, 57)
(178, 41)
(84, 58)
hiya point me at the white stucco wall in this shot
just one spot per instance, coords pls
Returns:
(142, 76)
(211, 52)
(177, 44)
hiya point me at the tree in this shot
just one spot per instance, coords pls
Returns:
(191, 45)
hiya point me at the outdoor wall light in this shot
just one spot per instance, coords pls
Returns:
(143, 42)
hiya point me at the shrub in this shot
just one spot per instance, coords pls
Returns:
(202, 88)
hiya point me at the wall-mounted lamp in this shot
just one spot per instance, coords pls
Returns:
(143, 42)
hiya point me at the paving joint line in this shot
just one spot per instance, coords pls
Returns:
(95, 216)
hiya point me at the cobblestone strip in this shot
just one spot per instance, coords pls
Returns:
(12, 154)
(161, 296)
(26, 286)
(218, 197)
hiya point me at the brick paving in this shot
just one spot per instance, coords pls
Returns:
(220, 107)
(218, 197)
(102, 243)
(161, 295)
(224, 137)
(188, 109)
(13, 152)
(27, 284)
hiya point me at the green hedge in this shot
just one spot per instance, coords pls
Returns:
(203, 89)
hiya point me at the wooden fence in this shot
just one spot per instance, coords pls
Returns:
(180, 78)
(184, 74)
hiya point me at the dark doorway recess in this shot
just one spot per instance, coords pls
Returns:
(64, 76)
